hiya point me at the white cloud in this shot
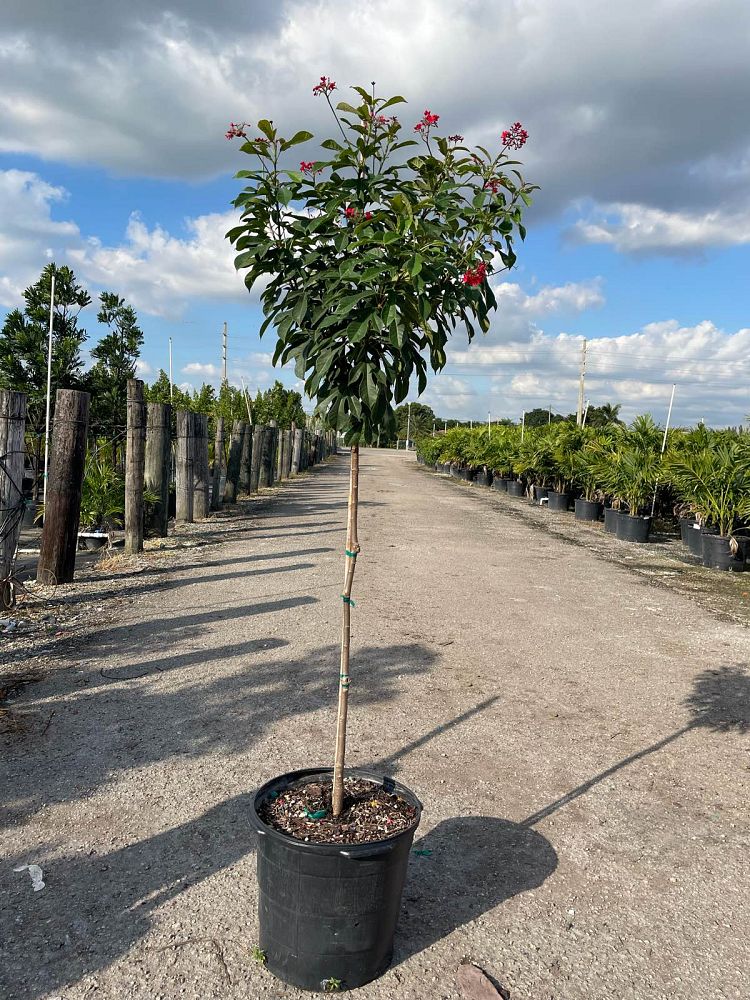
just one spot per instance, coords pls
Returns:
(143, 369)
(207, 371)
(631, 228)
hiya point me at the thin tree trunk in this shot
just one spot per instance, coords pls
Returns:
(352, 550)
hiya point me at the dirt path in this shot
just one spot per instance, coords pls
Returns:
(578, 737)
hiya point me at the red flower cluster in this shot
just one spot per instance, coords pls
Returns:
(236, 131)
(368, 215)
(515, 136)
(350, 212)
(325, 86)
(383, 119)
(474, 276)
(427, 121)
(307, 167)
(455, 138)
(493, 185)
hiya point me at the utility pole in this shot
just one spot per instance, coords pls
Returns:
(523, 423)
(171, 390)
(489, 425)
(49, 388)
(224, 353)
(408, 426)
(581, 379)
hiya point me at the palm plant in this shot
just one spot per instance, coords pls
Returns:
(632, 476)
(714, 482)
(568, 440)
(535, 458)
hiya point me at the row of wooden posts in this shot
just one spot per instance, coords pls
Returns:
(258, 456)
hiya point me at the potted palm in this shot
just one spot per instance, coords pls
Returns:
(535, 461)
(566, 443)
(369, 254)
(715, 483)
(633, 478)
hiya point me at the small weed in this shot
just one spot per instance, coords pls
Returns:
(331, 985)
(259, 955)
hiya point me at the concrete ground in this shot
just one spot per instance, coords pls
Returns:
(578, 737)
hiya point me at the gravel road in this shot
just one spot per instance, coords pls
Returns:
(579, 738)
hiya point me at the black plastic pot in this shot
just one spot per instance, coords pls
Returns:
(29, 514)
(329, 911)
(500, 484)
(483, 478)
(717, 553)
(631, 528)
(456, 472)
(695, 540)
(611, 517)
(468, 475)
(587, 510)
(540, 493)
(686, 525)
(515, 488)
(93, 539)
(557, 501)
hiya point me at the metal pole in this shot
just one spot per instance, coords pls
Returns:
(224, 352)
(669, 417)
(581, 380)
(247, 400)
(523, 423)
(489, 425)
(49, 386)
(408, 426)
(549, 414)
(585, 414)
(171, 390)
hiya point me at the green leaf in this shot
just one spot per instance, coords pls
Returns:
(285, 195)
(267, 129)
(343, 106)
(393, 100)
(416, 265)
(297, 138)
(332, 144)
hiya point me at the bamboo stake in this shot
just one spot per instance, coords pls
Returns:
(352, 550)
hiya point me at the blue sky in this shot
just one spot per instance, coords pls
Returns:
(113, 160)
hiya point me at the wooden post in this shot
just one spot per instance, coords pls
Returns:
(284, 455)
(218, 465)
(62, 511)
(135, 467)
(297, 451)
(256, 457)
(184, 483)
(158, 457)
(12, 427)
(233, 465)
(266, 461)
(201, 489)
(246, 458)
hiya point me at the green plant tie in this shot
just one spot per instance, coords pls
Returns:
(345, 681)
(347, 600)
(352, 555)
(318, 814)
(425, 853)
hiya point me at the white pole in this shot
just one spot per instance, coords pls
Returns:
(523, 423)
(224, 352)
(408, 426)
(585, 414)
(669, 417)
(489, 425)
(49, 385)
(247, 401)
(171, 390)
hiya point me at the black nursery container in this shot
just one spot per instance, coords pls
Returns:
(500, 484)
(540, 493)
(329, 911)
(631, 528)
(587, 510)
(515, 488)
(695, 540)
(717, 553)
(557, 501)
(686, 526)
(611, 517)
(483, 478)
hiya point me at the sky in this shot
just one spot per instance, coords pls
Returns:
(113, 160)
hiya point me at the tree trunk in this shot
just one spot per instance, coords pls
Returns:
(158, 458)
(246, 459)
(135, 466)
(297, 451)
(218, 465)
(62, 512)
(352, 550)
(255, 460)
(184, 467)
(201, 492)
(266, 464)
(233, 464)
(12, 450)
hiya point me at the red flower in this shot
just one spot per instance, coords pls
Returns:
(325, 86)
(515, 136)
(261, 138)
(236, 131)
(350, 212)
(493, 185)
(368, 215)
(474, 276)
(307, 167)
(426, 121)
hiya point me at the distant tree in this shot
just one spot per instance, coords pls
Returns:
(204, 399)
(231, 403)
(23, 348)
(540, 417)
(279, 404)
(115, 359)
(601, 416)
(422, 420)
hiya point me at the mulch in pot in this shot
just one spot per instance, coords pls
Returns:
(303, 811)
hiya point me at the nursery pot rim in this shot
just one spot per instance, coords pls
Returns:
(365, 848)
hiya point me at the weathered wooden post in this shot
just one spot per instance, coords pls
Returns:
(283, 454)
(246, 459)
(266, 461)
(297, 451)
(184, 478)
(218, 465)
(158, 458)
(233, 464)
(256, 457)
(135, 467)
(62, 511)
(12, 427)
(201, 489)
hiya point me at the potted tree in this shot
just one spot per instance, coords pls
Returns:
(369, 255)
(715, 484)
(635, 474)
(566, 443)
